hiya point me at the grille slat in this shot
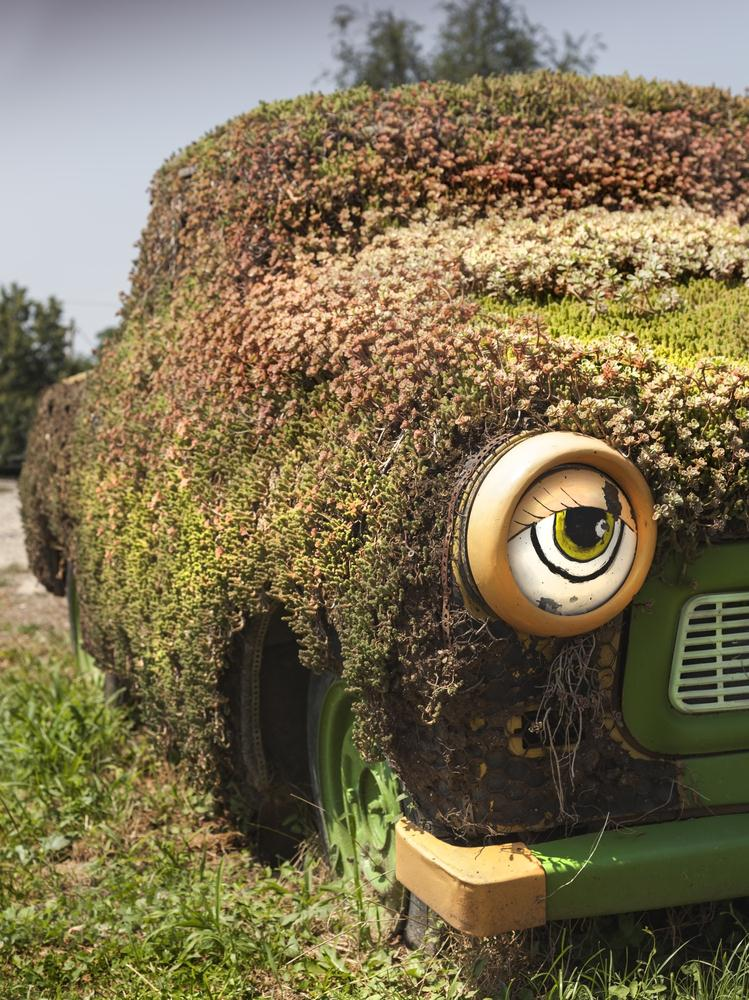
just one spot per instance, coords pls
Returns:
(728, 609)
(731, 689)
(728, 648)
(710, 669)
(706, 670)
(737, 634)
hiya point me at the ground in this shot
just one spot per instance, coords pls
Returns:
(24, 602)
(119, 880)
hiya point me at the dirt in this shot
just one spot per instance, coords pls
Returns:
(25, 605)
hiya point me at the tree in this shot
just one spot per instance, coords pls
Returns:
(475, 38)
(389, 56)
(35, 351)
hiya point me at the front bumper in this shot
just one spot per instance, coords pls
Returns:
(490, 890)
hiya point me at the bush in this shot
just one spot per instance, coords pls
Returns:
(35, 347)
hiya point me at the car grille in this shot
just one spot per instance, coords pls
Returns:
(710, 671)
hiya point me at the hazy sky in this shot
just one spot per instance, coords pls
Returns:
(95, 95)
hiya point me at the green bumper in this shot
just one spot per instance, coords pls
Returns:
(646, 867)
(503, 887)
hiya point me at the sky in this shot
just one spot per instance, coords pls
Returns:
(95, 94)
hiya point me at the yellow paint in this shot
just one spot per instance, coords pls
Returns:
(478, 890)
(605, 679)
(617, 736)
(516, 744)
(482, 769)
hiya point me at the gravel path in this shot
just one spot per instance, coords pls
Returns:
(23, 601)
(12, 552)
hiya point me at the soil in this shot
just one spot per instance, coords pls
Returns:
(24, 604)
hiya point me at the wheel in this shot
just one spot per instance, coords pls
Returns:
(291, 744)
(266, 786)
(115, 688)
(86, 662)
(357, 805)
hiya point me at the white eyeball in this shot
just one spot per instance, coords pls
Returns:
(572, 541)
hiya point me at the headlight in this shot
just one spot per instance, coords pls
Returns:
(554, 535)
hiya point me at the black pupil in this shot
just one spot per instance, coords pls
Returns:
(580, 525)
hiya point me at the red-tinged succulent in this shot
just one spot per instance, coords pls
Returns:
(338, 301)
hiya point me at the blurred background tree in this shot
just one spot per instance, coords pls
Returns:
(475, 38)
(36, 349)
(388, 55)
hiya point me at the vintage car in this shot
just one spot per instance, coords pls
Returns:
(416, 486)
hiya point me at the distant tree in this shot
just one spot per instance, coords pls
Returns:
(489, 37)
(389, 55)
(475, 38)
(35, 351)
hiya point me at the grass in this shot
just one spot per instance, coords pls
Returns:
(117, 880)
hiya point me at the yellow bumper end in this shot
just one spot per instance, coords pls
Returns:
(478, 890)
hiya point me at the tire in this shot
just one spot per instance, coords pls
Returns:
(265, 688)
(289, 730)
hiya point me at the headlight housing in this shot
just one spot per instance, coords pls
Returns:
(554, 534)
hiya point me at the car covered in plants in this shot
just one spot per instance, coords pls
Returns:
(416, 486)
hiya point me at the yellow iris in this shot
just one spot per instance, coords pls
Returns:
(587, 540)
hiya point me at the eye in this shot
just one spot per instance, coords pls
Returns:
(572, 541)
(554, 534)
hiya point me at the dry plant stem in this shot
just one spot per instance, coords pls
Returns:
(570, 700)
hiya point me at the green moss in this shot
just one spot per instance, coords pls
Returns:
(708, 319)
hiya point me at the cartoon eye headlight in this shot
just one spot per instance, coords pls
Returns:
(554, 535)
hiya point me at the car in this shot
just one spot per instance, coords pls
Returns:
(415, 486)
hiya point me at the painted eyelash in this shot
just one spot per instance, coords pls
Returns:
(535, 520)
(536, 499)
(576, 503)
(551, 510)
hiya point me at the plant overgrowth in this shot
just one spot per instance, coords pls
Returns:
(338, 301)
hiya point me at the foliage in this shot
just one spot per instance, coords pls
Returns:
(107, 334)
(350, 165)
(489, 37)
(35, 346)
(339, 301)
(710, 318)
(43, 486)
(390, 55)
(475, 38)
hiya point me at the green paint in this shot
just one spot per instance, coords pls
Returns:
(361, 801)
(718, 780)
(646, 867)
(85, 661)
(648, 714)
